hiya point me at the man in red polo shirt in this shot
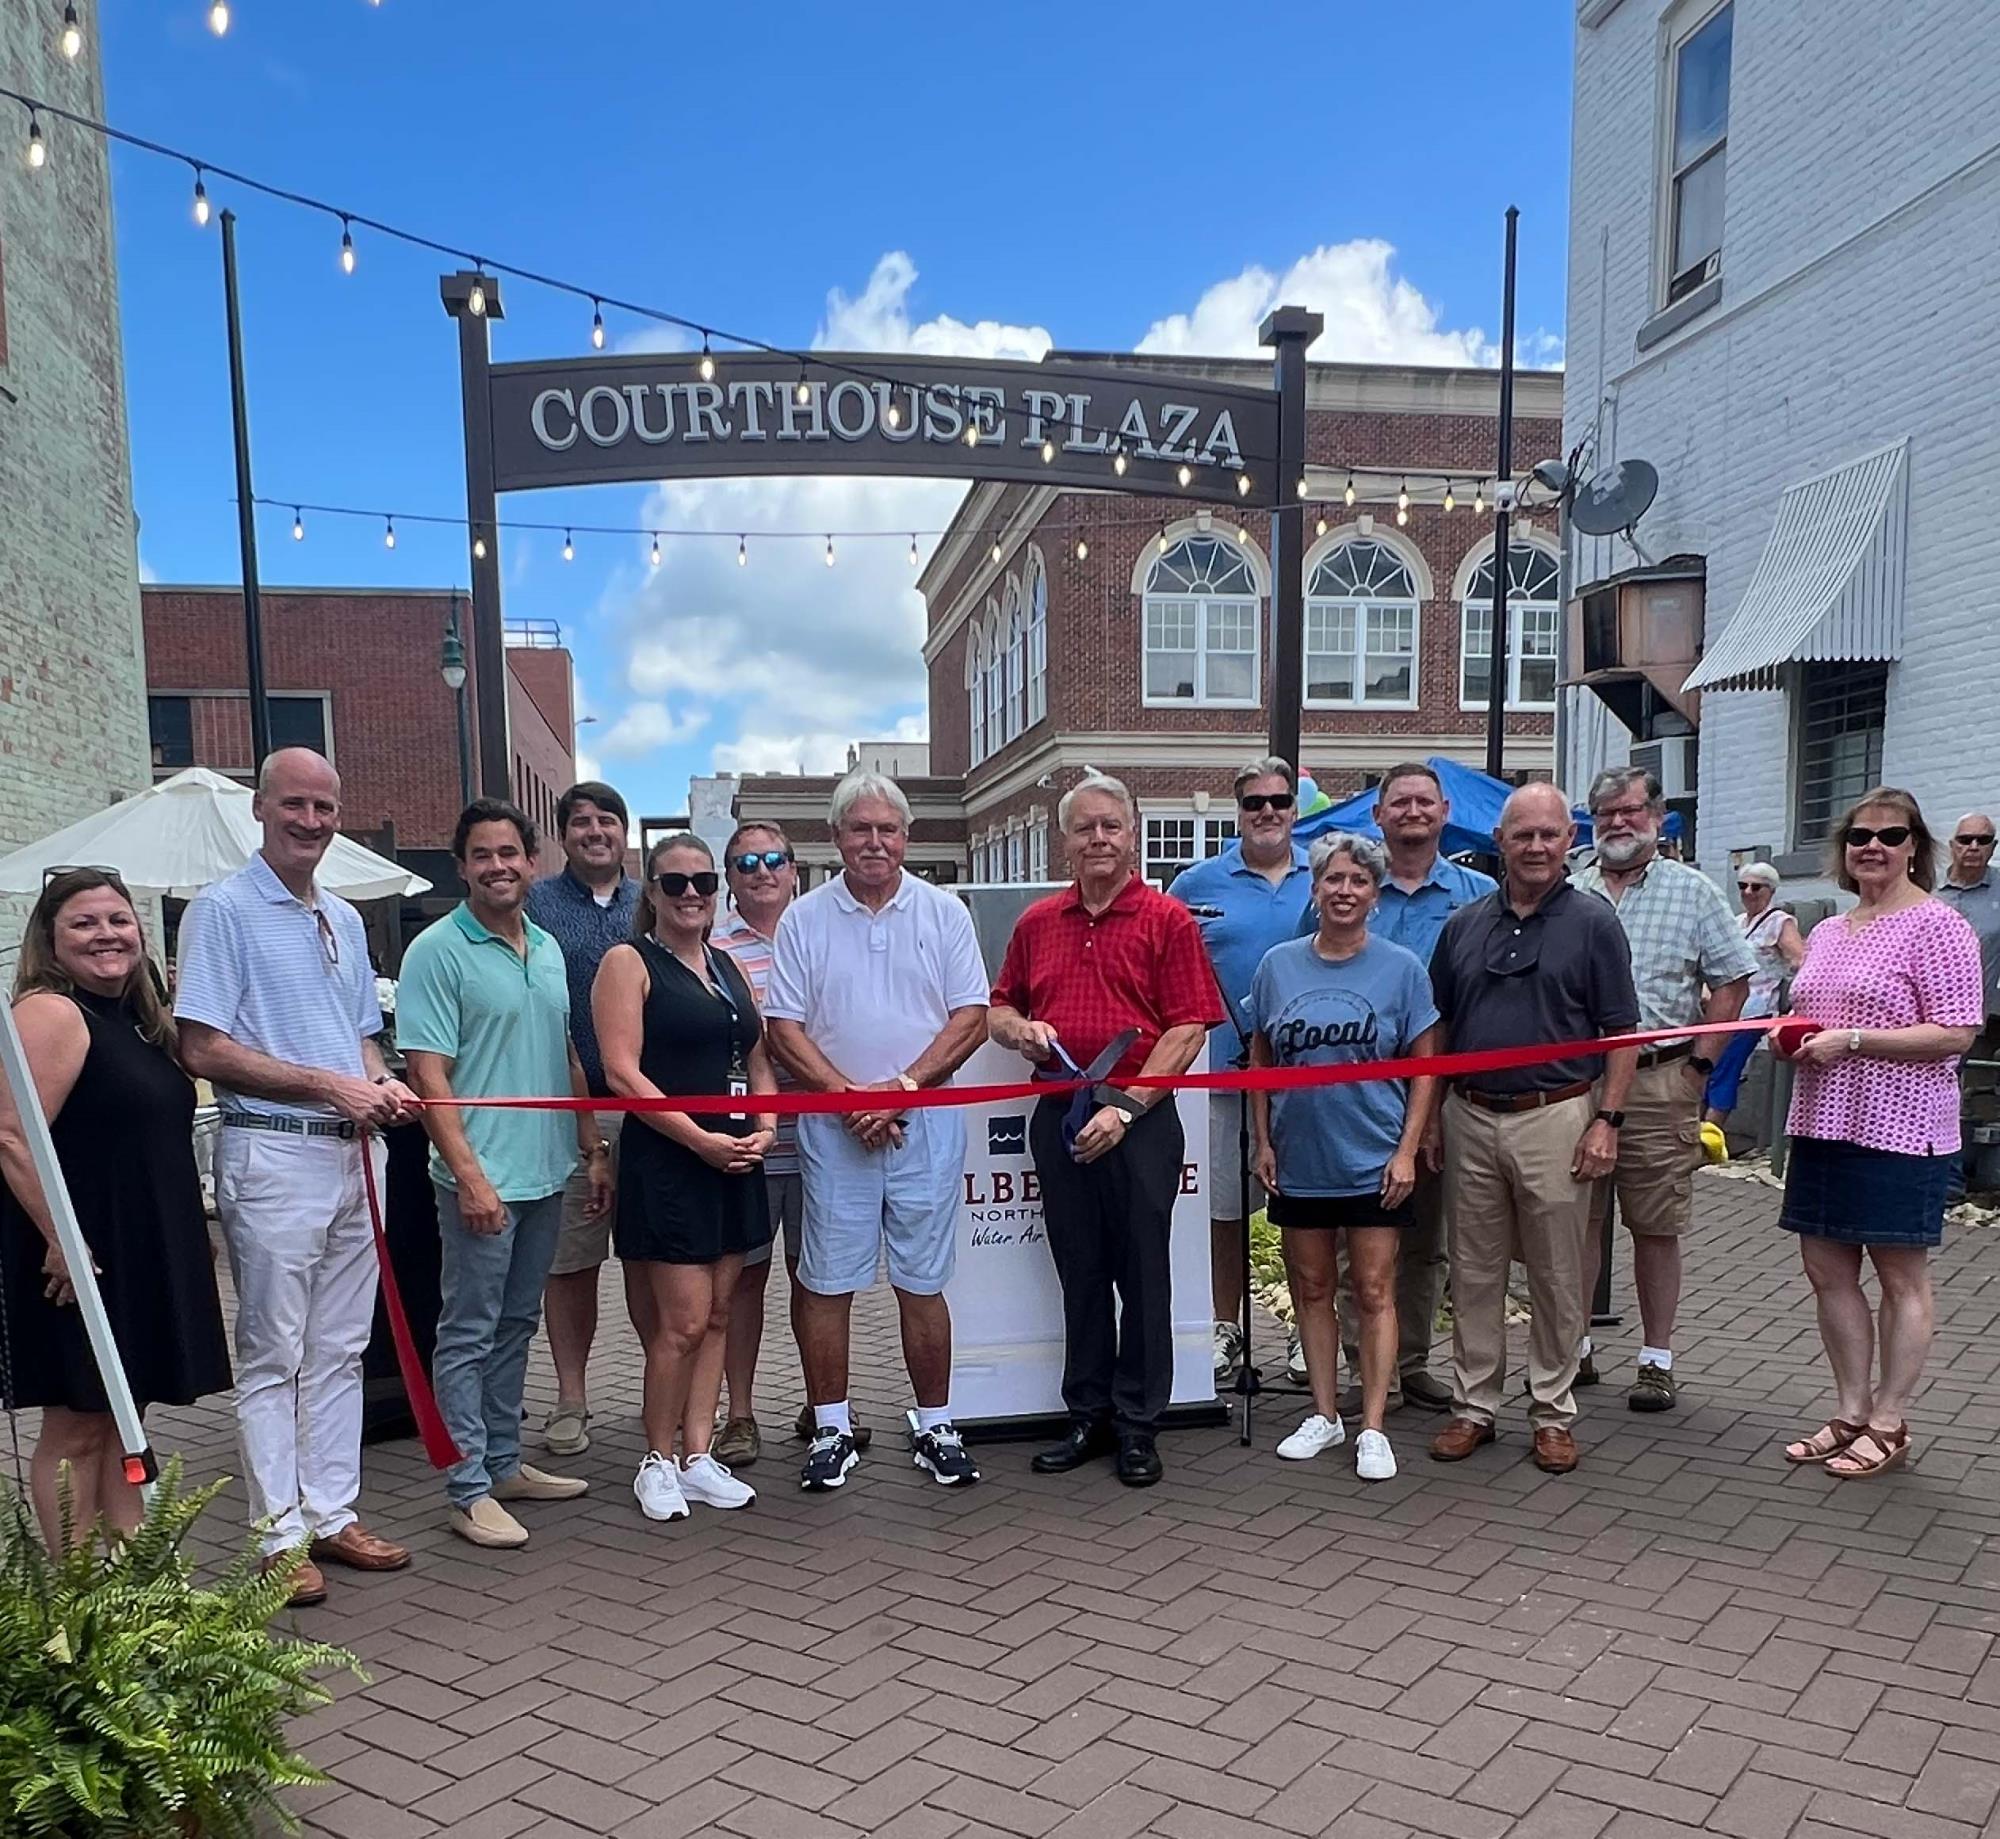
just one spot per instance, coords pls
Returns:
(1083, 968)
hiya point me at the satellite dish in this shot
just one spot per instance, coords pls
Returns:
(1615, 499)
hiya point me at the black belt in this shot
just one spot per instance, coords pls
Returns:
(291, 1126)
(1524, 1101)
(1660, 1056)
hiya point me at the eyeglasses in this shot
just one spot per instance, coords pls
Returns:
(773, 859)
(96, 868)
(329, 941)
(1631, 813)
(1261, 801)
(1890, 836)
(674, 884)
(1968, 841)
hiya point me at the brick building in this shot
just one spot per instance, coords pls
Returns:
(799, 802)
(354, 672)
(72, 687)
(1127, 633)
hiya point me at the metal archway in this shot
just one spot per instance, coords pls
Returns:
(598, 420)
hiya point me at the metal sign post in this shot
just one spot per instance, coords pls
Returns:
(140, 1466)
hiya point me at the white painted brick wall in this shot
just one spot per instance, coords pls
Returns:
(1840, 114)
(72, 678)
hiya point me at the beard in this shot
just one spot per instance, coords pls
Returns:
(1624, 851)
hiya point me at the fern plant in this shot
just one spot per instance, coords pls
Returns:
(133, 1701)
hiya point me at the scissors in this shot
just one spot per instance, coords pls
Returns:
(1083, 1103)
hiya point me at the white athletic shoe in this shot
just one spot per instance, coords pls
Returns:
(704, 1479)
(1374, 1460)
(1311, 1437)
(658, 1488)
(1295, 1359)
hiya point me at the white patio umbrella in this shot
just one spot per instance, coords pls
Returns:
(178, 836)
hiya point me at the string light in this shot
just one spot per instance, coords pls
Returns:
(1347, 497)
(971, 431)
(1319, 529)
(1082, 550)
(347, 249)
(1048, 451)
(1243, 485)
(1403, 496)
(1118, 460)
(892, 416)
(596, 324)
(475, 302)
(913, 549)
(707, 364)
(1479, 497)
(1402, 515)
(742, 553)
(1302, 485)
(829, 552)
(1186, 474)
(996, 549)
(72, 33)
(388, 533)
(298, 525)
(38, 152)
(1163, 542)
(803, 394)
(200, 200)
(655, 556)
(218, 18)
(479, 549)
(1450, 503)
(569, 547)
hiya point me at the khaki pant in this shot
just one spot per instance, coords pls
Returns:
(1509, 1196)
(1420, 1274)
(1659, 1150)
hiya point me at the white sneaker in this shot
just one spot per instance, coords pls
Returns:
(1295, 1359)
(1374, 1460)
(658, 1488)
(704, 1479)
(1311, 1437)
(1228, 1349)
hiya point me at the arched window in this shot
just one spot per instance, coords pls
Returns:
(975, 696)
(1361, 628)
(996, 687)
(1200, 614)
(1017, 664)
(1038, 639)
(1534, 630)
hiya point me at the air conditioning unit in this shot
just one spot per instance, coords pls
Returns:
(1671, 761)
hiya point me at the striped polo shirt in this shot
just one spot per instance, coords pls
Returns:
(752, 952)
(276, 974)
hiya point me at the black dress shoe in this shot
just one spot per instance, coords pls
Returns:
(1086, 1438)
(1138, 1460)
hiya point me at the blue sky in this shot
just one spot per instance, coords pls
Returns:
(1095, 176)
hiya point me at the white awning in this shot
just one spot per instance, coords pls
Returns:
(1830, 582)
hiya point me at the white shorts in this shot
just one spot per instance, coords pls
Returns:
(861, 1201)
(1225, 1163)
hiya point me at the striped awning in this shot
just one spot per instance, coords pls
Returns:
(1829, 585)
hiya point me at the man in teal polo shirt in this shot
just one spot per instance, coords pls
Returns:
(1245, 900)
(482, 1011)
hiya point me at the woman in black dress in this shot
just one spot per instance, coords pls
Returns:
(675, 1015)
(100, 1044)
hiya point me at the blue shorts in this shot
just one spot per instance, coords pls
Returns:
(860, 1201)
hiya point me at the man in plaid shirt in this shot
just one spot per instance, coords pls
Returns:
(1691, 965)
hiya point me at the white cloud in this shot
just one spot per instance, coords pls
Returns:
(648, 726)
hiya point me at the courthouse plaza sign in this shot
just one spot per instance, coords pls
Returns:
(594, 420)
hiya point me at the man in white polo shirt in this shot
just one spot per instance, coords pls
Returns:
(277, 1009)
(877, 985)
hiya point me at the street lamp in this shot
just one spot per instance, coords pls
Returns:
(451, 667)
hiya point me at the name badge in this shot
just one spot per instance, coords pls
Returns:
(739, 1087)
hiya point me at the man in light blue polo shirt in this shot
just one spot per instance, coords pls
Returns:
(483, 1012)
(1251, 897)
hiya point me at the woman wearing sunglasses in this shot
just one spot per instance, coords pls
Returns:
(1893, 985)
(674, 1015)
(1773, 937)
(101, 1046)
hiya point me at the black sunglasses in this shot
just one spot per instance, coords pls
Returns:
(1890, 836)
(96, 868)
(1751, 887)
(1967, 841)
(773, 859)
(673, 884)
(1259, 801)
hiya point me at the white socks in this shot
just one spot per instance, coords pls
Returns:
(1661, 1357)
(929, 1417)
(834, 1417)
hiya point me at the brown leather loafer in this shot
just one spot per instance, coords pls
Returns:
(360, 1550)
(1555, 1450)
(1459, 1439)
(308, 1585)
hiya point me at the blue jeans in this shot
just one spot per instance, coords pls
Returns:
(491, 1306)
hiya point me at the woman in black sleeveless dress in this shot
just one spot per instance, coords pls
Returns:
(674, 1015)
(99, 1043)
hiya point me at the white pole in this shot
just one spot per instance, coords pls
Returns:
(139, 1464)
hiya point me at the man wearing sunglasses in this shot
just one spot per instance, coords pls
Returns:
(277, 1009)
(1972, 887)
(1246, 900)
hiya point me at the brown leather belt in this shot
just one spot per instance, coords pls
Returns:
(1524, 1101)
(1660, 1056)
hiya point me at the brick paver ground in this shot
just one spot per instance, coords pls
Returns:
(1683, 1636)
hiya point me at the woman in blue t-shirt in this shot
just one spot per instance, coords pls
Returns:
(1342, 1158)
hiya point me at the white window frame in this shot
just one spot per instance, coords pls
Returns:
(1203, 605)
(996, 689)
(1017, 663)
(1038, 849)
(1366, 608)
(1696, 17)
(1547, 612)
(975, 698)
(1017, 853)
(1207, 835)
(1037, 598)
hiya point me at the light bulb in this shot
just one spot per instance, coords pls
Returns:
(1118, 462)
(1402, 514)
(1186, 474)
(892, 416)
(200, 199)
(218, 18)
(72, 33)
(1243, 485)
(298, 525)
(475, 302)
(996, 549)
(707, 365)
(1450, 503)
(597, 325)
(569, 548)
(1242, 534)
(38, 152)
(346, 248)
(479, 548)
(913, 549)
(1048, 451)
(1302, 488)
(1319, 529)
(1403, 496)
(1082, 549)
(829, 552)
(742, 553)
(388, 533)
(654, 557)
(1163, 542)
(803, 394)
(971, 433)
(1479, 497)
(1347, 497)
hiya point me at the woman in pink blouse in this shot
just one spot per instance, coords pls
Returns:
(1894, 987)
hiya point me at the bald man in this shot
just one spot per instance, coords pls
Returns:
(277, 1009)
(1974, 890)
(1535, 962)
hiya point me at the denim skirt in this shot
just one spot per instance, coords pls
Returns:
(1858, 1196)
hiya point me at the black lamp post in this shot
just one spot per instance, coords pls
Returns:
(451, 667)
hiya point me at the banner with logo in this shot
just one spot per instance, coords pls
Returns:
(1006, 1306)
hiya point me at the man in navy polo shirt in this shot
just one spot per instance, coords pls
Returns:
(1246, 900)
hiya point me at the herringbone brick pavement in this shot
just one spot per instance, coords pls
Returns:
(1684, 1636)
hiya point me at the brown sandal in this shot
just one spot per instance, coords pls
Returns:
(1829, 1440)
(1892, 1450)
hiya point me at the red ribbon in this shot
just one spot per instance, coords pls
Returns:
(443, 1452)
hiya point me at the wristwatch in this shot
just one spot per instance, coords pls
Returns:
(906, 1082)
(602, 1147)
(1854, 1040)
(1616, 1119)
(1127, 1108)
